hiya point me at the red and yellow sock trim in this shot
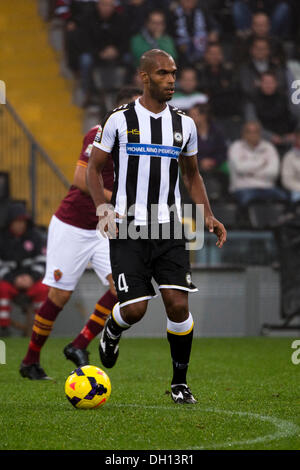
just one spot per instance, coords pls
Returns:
(34, 347)
(42, 326)
(87, 333)
(100, 320)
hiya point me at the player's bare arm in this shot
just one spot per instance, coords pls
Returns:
(94, 178)
(194, 183)
(80, 182)
(97, 160)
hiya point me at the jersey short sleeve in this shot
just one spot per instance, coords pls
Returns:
(87, 146)
(191, 146)
(105, 139)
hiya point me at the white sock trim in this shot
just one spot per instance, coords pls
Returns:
(118, 318)
(182, 328)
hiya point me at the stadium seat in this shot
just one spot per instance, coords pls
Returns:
(227, 213)
(266, 215)
(214, 185)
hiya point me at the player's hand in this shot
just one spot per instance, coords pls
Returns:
(214, 226)
(107, 221)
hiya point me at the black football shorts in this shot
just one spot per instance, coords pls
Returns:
(135, 262)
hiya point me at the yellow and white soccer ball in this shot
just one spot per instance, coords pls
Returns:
(88, 387)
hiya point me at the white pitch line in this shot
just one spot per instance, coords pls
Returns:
(284, 428)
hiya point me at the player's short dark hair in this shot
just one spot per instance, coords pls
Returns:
(148, 59)
(126, 93)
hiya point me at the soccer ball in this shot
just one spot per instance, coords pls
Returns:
(87, 387)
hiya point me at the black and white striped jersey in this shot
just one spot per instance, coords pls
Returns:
(145, 147)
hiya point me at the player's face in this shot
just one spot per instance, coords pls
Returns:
(162, 79)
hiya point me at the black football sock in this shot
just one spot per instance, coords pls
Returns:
(180, 353)
(180, 345)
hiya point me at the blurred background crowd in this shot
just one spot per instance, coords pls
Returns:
(238, 61)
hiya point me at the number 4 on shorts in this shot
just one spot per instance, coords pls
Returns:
(122, 286)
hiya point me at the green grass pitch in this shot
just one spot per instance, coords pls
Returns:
(248, 394)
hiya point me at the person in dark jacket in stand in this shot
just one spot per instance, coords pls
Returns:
(211, 140)
(22, 264)
(212, 150)
(271, 107)
(192, 28)
(279, 11)
(98, 38)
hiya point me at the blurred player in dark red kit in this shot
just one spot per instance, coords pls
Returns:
(72, 244)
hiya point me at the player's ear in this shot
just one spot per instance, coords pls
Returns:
(144, 76)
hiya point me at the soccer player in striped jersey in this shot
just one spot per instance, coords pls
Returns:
(72, 243)
(149, 140)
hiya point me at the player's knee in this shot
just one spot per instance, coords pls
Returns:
(134, 312)
(177, 310)
(59, 297)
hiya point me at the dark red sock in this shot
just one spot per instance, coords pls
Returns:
(42, 327)
(96, 321)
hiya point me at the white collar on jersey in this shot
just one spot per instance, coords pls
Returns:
(145, 110)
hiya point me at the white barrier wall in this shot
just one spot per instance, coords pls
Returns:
(229, 303)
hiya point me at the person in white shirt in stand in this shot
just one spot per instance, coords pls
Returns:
(290, 171)
(254, 167)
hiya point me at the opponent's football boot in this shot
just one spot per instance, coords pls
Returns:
(33, 372)
(182, 394)
(80, 357)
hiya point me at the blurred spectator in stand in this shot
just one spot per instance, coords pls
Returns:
(152, 36)
(259, 62)
(22, 264)
(270, 107)
(211, 151)
(254, 167)
(99, 38)
(219, 81)
(192, 28)
(136, 12)
(260, 29)
(211, 142)
(187, 94)
(136, 79)
(290, 171)
(72, 10)
(279, 11)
